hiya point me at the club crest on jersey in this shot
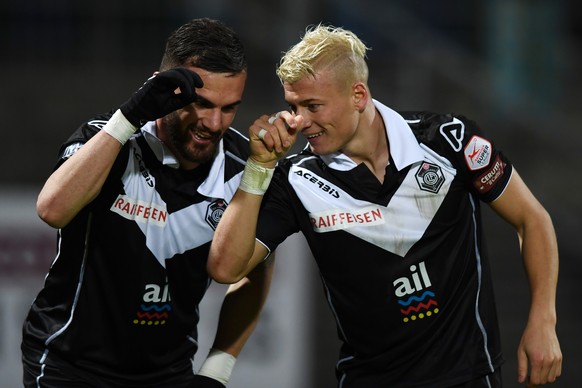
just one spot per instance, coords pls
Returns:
(214, 212)
(430, 177)
(416, 299)
(478, 153)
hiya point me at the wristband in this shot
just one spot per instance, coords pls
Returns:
(119, 127)
(218, 366)
(255, 178)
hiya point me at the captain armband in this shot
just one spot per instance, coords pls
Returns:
(119, 127)
(255, 178)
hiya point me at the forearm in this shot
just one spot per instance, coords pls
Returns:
(241, 308)
(540, 256)
(77, 181)
(233, 245)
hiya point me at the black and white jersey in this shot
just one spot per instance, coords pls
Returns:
(401, 262)
(120, 302)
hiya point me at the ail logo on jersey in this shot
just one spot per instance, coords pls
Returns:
(430, 177)
(414, 294)
(214, 212)
(486, 181)
(139, 211)
(337, 219)
(155, 307)
(478, 153)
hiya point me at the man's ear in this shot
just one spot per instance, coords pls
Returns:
(360, 95)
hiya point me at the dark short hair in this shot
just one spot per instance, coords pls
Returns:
(205, 43)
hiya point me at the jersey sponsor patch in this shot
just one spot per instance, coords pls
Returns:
(486, 181)
(336, 219)
(477, 153)
(134, 209)
(454, 133)
(415, 295)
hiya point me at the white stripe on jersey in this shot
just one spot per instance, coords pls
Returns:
(395, 227)
(181, 230)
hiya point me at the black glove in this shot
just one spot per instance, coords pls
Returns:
(205, 382)
(157, 97)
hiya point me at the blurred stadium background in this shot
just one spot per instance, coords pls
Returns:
(512, 65)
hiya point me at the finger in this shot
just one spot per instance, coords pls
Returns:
(536, 372)
(286, 126)
(262, 133)
(521, 367)
(187, 81)
(555, 369)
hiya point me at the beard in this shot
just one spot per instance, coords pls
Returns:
(182, 143)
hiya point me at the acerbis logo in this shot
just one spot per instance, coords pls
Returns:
(214, 212)
(314, 179)
(454, 132)
(430, 177)
(98, 123)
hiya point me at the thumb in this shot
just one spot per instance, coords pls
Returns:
(522, 362)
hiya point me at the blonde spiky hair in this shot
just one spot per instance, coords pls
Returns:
(321, 47)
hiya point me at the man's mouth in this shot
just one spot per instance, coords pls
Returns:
(313, 136)
(201, 135)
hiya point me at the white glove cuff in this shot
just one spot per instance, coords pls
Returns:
(218, 366)
(255, 178)
(119, 127)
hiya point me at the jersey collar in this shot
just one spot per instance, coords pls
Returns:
(404, 149)
(213, 185)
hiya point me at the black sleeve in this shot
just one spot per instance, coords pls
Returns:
(482, 166)
(278, 217)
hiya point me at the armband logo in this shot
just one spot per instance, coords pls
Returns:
(214, 212)
(486, 181)
(430, 177)
(478, 153)
(454, 133)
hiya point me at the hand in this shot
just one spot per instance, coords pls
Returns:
(272, 136)
(540, 350)
(161, 94)
(205, 382)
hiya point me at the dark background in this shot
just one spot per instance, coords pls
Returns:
(514, 66)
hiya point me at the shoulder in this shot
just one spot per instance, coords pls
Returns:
(236, 145)
(447, 133)
(305, 157)
(83, 133)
